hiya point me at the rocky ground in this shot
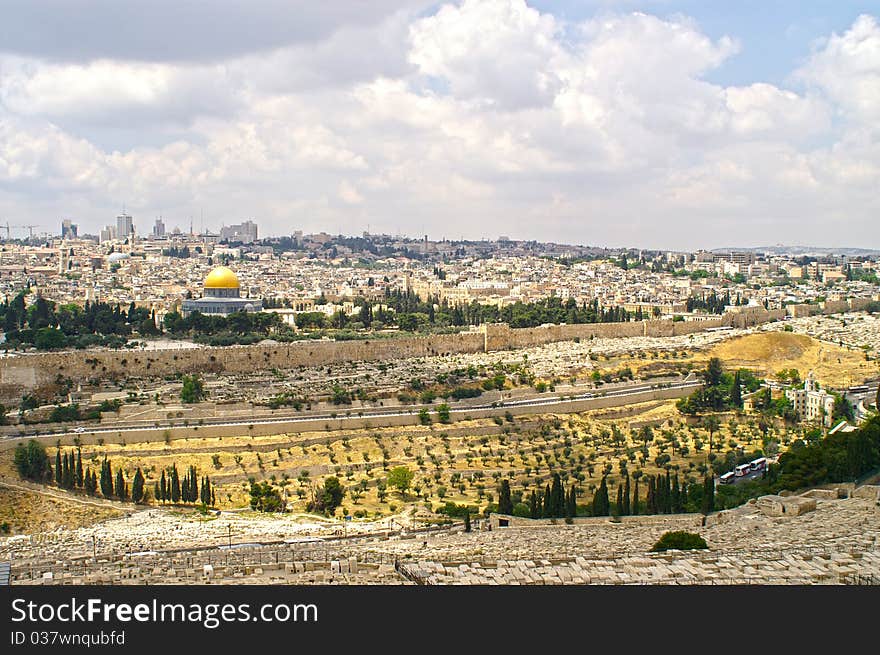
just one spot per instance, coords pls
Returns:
(837, 543)
(855, 329)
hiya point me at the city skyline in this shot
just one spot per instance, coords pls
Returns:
(656, 125)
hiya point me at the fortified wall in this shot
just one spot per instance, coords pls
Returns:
(24, 372)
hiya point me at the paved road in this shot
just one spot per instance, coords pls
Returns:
(460, 410)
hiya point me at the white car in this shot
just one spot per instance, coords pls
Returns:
(79, 429)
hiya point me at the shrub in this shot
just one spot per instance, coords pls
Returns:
(679, 540)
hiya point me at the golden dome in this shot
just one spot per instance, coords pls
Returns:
(221, 278)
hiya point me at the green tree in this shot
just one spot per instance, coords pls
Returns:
(714, 372)
(106, 479)
(571, 503)
(121, 488)
(400, 477)
(443, 413)
(557, 498)
(534, 510)
(679, 540)
(505, 504)
(137, 487)
(467, 521)
(635, 499)
(32, 462)
(601, 504)
(424, 416)
(711, 425)
(175, 484)
(265, 497)
(708, 495)
(79, 469)
(332, 494)
(207, 492)
(193, 389)
(736, 392)
(90, 483)
(842, 409)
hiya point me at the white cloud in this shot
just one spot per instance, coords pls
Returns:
(497, 50)
(478, 118)
(847, 69)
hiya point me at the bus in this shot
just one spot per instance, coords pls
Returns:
(759, 464)
(742, 470)
(727, 478)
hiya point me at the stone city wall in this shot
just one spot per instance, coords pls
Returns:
(24, 372)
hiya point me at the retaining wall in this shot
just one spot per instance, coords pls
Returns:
(22, 373)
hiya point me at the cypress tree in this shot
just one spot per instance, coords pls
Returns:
(635, 499)
(533, 505)
(71, 471)
(137, 487)
(557, 501)
(205, 494)
(65, 472)
(106, 479)
(213, 498)
(684, 496)
(619, 508)
(626, 501)
(58, 469)
(571, 504)
(548, 505)
(175, 484)
(676, 496)
(157, 491)
(79, 469)
(667, 494)
(708, 495)
(651, 505)
(163, 488)
(600, 499)
(121, 490)
(467, 521)
(193, 486)
(736, 393)
(505, 504)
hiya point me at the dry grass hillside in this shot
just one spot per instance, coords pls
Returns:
(769, 352)
(765, 352)
(462, 463)
(29, 512)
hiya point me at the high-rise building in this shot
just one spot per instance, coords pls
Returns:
(108, 233)
(159, 228)
(245, 232)
(68, 229)
(124, 226)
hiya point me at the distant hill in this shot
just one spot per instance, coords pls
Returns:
(804, 250)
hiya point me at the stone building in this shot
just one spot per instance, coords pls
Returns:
(812, 403)
(222, 296)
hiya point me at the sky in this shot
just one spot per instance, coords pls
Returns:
(652, 124)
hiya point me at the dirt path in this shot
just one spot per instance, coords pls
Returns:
(62, 496)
